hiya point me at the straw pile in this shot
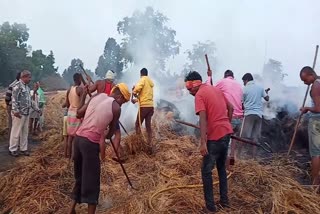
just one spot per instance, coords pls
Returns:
(42, 183)
(3, 116)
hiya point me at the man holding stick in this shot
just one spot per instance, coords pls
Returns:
(101, 113)
(215, 114)
(232, 90)
(309, 77)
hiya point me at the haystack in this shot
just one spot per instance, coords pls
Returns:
(167, 182)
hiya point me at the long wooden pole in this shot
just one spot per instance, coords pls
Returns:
(304, 102)
(208, 65)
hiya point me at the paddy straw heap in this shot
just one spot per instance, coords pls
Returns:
(167, 182)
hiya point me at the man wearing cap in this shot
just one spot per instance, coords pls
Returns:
(101, 115)
(105, 86)
(21, 105)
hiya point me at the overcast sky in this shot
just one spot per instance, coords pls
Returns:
(245, 31)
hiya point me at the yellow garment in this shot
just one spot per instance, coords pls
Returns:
(144, 90)
(124, 90)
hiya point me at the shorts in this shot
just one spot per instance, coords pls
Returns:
(251, 128)
(65, 125)
(236, 125)
(86, 171)
(314, 137)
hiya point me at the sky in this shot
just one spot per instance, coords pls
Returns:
(246, 32)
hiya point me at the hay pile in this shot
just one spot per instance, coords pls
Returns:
(42, 182)
(3, 116)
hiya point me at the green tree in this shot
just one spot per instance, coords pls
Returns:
(75, 68)
(147, 38)
(196, 57)
(13, 50)
(273, 71)
(111, 59)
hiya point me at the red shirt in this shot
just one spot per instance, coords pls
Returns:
(211, 100)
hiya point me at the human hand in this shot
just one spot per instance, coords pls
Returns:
(304, 110)
(203, 149)
(17, 114)
(209, 73)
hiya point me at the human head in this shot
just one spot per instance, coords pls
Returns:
(120, 93)
(247, 78)
(143, 72)
(228, 73)
(25, 76)
(77, 79)
(308, 75)
(110, 75)
(193, 81)
(18, 76)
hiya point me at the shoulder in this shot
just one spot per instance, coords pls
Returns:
(16, 85)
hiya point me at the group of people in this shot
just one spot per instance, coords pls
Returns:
(88, 124)
(24, 110)
(222, 109)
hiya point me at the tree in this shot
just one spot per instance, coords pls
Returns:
(273, 71)
(147, 39)
(196, 57)
(111, 59)
(74, 68)
(13, 50)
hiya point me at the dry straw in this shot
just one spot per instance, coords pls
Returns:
(42, 183)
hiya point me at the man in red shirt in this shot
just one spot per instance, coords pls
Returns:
(215, 114)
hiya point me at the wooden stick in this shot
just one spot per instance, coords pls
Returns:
(304, 102)
(208, 65)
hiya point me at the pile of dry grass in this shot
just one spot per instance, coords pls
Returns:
(3, 116)
(42, 183)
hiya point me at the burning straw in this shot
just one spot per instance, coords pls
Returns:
(42, 183)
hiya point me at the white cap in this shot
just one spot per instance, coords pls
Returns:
(110, 75)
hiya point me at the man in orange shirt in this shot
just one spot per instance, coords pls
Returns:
(215, 114)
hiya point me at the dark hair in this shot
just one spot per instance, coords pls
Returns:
(247, 77)
(77, 78)
(144, 72)
(18, 76)
(308, 70)
(192, 75)
(228, 73)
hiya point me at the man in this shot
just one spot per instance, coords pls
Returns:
(42, 102)
(8, 100)
(73, 97)
(105, 86)
(21, 104)
(232, 90)
(35, 110)
(100, 113)
(215, 114)
(253, 109)
(309, 76)
(143, 91)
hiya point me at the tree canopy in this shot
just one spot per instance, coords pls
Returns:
(273, 71)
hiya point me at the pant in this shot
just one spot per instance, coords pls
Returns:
(314, 137)
(252, 127)
(19, 133)
(146, 114)
(217, 154)
(9, 118)
(86, 171)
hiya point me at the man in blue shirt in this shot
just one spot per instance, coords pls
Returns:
(253, 108)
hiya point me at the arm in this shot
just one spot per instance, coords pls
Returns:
(116, 110)
(265, 95)
(230, 110)
(315, 94)
(93, 87)
(15, 100)
(67, 103)
(203, 133)
(138, 87)
(209, 81)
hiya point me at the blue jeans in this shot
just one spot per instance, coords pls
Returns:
(217, 154)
